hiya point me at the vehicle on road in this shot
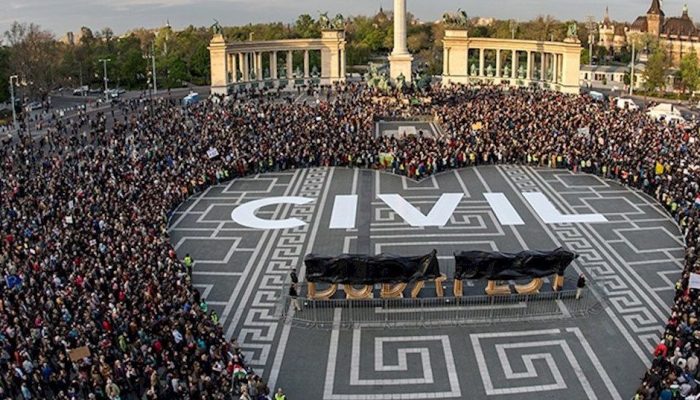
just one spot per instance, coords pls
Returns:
(626, 104)
(597, 95)
(191, 98)
(34, 105)
(665, 112)
(81, 91)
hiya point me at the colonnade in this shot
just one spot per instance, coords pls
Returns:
(553, 65)
(237, 64)
(513, 64)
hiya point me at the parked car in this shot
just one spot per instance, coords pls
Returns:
(596, 95)
(112, 93)
(34, 105)
(81, 91)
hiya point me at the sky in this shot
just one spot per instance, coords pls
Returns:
(61, 16)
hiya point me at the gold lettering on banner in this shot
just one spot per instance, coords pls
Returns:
(558, 282)
(439, 291)
(458, 288)
(532, 287)
(324, 294)
(392, 291)
(498, 290)
(358, 294)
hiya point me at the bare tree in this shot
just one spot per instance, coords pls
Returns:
(33, 57)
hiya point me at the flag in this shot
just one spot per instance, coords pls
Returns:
(239, 372)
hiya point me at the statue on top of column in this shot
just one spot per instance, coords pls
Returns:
(460, 19)
(572, 30)
(216, 28)
(338, 22)
(323, 21)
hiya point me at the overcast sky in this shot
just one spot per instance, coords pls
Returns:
(61, 16)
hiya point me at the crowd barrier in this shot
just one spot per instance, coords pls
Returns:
(383, 312)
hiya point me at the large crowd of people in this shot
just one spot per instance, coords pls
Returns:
(84, 248)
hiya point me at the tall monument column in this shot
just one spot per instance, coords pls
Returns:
(400, 59)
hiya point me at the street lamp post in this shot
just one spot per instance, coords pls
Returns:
(14, 78)
(153, 61)
(632, 71)
(104, 62)
(152, 56)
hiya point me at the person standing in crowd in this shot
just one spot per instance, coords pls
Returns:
(580, 284)
(294, 296)
(188, 261)
(293, 276)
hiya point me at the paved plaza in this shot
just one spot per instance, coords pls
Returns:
(632, 260)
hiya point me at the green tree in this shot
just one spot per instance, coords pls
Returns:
(689, 71)
(655, 71)
(4, 73)
(307, 27)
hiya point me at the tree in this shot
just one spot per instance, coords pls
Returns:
(689, 70)
(4, 73)
(655, 71)
(307, 27)
(33, 57)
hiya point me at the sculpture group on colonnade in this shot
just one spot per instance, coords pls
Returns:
(460, 19)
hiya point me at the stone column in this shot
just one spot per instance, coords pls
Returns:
(446, 61)
(244, 66)
(290, 67)
(400, 47)
(514, 65)
(481, 62)
(219, 68)
(400, 60)
(259, 72)
(306, 64)
(342, 64)
(498, 63)
(528, 73)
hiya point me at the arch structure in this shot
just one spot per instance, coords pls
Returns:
(550, 65)
(271, 63)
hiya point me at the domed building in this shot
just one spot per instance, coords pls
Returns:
(677, 34)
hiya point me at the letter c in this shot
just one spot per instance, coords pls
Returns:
(245, 214)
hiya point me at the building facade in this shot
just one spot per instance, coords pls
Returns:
(678, 35)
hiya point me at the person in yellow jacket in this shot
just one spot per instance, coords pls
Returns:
(280, 395)
(659, 169)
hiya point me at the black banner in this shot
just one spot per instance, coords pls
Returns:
(507, 266)
(355, 269)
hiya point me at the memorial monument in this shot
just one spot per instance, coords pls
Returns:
(400, 60)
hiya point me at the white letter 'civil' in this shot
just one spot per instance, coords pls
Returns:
(245, 214)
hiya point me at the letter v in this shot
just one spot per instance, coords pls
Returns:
(438, 215)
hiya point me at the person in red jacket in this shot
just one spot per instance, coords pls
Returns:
(661, 350)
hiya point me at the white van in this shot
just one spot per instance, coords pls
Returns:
(626, 104)
(665, 111)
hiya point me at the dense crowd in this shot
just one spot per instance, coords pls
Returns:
(84, 247)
